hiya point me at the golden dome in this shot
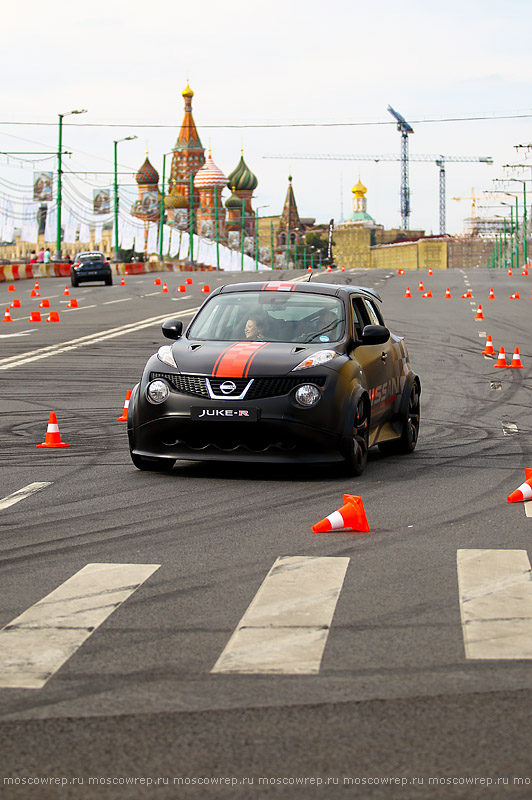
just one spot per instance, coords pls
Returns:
(359, 190)
(187, 91)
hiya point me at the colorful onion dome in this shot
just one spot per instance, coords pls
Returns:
(234, 201)
(147, 174)
(187, 91)
(359, 189)
(242, 178)
(209, 176)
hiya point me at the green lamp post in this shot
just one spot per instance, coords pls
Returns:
(57, 255)
(116, 201)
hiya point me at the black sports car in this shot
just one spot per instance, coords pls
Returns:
(91, 266)
(279, 372)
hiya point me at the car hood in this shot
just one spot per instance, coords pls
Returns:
(239, 359)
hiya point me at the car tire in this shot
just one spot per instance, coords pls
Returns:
(73, 281)
(407, 441)
(357, 457)
(109, 281)
(152, 464)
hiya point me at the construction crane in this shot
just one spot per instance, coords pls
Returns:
(440, 161)
(404, 128)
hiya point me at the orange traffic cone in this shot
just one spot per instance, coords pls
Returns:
(400, 271)
(467, 295)
(35, 316)
(165, 288)
(157, 282)
(309, 269)
(36, 287)
(524, 492)
(351, 516)
(488, 350)
(15, 303)
(479, 314)
(181, 288)
(53, 316)
(123, 282)
(421, 288)
(205, 288)
(448, 295)
(34, 293)
(189, 281)
(123, 418)
(427, 294)
(501, 360)
(491, 295)
(329, 268)
(343, 268)
(7, 316)
(516, 360)
(510, 272)
(525, 271)
(53, 437)
(11, 287)
(73, 303)
(514, 296)
(430, 271)
(66, 293)
(45, 303)
(408, 293)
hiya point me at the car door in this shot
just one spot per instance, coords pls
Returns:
(376, 361)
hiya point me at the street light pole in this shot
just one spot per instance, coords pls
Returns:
(161, 215)
(57, 256)
(116, 142)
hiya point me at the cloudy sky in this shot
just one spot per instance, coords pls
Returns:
(297, 66)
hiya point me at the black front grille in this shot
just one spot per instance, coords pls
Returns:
(196, 385)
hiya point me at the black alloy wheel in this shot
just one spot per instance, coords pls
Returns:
(357, 458)
(407, 442)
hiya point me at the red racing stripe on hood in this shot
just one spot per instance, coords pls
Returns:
(235, 361)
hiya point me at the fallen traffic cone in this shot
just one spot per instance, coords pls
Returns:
(66, 293)
(408, 293)
(467, 295)
(350, 516)
(448, 295)
(400, 271)
(53, 437)
(488, 350)
(516, 360)
(53, 316)
(421, 288)
(181, 288)
(491, 295)
(514, 296)
(73, 303)
(157, 282)
(525, 271)
(501, 360)
(427, 294)
(189, 281)
(45, 303)
(11, 287)
(479, 314)
(35, 316)
(34, 293)
(123, 282)
(15, 303)
(524, 492)
(7, 316)
(329, 268)
(205, 288)
(165, 288)
(123, 418)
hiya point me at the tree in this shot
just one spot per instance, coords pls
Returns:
(319, 243)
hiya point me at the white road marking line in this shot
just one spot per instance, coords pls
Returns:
(38, 642)
(495, 603)
(152, 294)
(84, 341)
(472, 303)
(21, 494)
(11, 335)
(509, 428)
(122, 300)
(482, 334)
(285, 629)
(528, 508)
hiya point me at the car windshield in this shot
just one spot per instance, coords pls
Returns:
(88, 258)
(270, 316)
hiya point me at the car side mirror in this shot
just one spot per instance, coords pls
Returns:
(375, 334)
(172, 328)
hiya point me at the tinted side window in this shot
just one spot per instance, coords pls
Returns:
(373, 312)
(360, 317)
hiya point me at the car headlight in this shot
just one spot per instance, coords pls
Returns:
(321, 357)
(164, 353)
(307, 395)
(157, 391)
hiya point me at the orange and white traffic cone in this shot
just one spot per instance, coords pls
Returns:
(350, 516)
(479, 314)
(11, 287)
(525, 271)
(157, 282)
(421, 288)
(309, 269)
(34, 293)
(491, 295)
(448, 295)
(205, 288)
(181, 288)
(427, 294)
(36, 287)
(35, 316)
(189, 281)
(400, 271)
(430, 271)
(488, 350)
(165, 288)
(53, 316)
(523, 492)
(501, 360)
(123, 418)
(66, 293)
(7, 316)
(16, 303)
(329, 268)
(408, 292)
(45, 303)
(510, 273)
(123, 282)
(53, 437)
(343, 268)
(73, 303)
(514, 296)
(516, 360)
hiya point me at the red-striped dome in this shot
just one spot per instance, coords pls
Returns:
(147, 174)
(209, 176)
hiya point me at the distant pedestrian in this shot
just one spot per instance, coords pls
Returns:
(47, 256)
(40, 255)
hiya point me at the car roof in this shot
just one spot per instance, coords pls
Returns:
(87, 253)
(334, 289)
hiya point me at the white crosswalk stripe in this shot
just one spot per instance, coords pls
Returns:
(495, 603)
(38, 642)
(285, 629)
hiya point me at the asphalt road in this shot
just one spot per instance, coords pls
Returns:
(395, 696)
